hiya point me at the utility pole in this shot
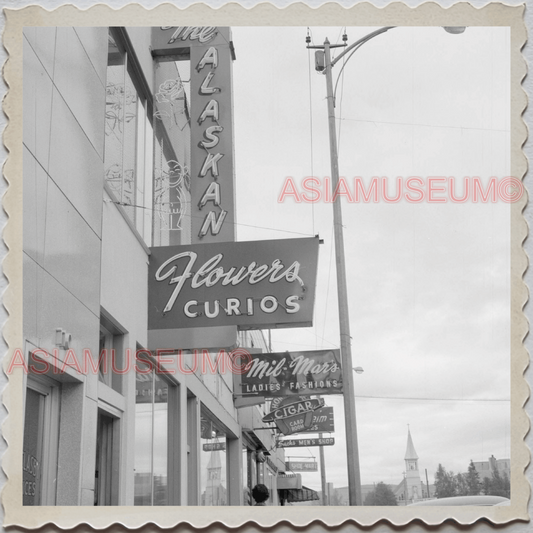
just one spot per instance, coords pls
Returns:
(325, 499)
(352, 449)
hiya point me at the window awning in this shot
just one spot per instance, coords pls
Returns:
(298, 495)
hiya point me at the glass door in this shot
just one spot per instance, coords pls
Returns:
(39, 450)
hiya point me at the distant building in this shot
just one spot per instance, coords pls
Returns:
(486, 468)
(410, 489)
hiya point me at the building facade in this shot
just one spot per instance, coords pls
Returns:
(107, 158)
(485, 469)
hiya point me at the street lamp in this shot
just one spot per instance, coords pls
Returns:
(324, 63)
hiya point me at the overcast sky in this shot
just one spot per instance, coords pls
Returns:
(428, 284)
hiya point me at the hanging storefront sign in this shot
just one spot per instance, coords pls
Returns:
(297, 443)
(301, 466)
(294, 416)
(293, 373)
(211, 53)
(289, 481)
(214, 447)
(323, 421)
(254, 285)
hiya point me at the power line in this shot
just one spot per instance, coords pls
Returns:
(124, 204)
(336, 346)
(421, 125)
(433, 399)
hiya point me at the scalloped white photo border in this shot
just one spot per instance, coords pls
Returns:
(396, 14)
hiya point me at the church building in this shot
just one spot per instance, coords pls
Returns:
(412, 488)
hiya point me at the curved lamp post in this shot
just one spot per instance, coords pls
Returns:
(324, 63)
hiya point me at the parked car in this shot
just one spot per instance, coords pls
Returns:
(465, 500)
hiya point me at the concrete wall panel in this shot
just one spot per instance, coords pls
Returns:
(35, 182)
(93, 40)
(75, 166)
(89, 445)
(43, 41)
(56, 234)
(80, 86)
(37, 98)
(124, 274)
(70, 445)
(72, 250)
(30, 272)
(87, 497)
(58, 308)
(83, 266)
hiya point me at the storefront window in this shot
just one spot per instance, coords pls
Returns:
(151, 437)
(213, 464)
(172, 198)
(39, 452)
(271, 473)
(107, 445)
(33, 446)
(247, 493)
(111, 354)
(249, 470)
(128, 139)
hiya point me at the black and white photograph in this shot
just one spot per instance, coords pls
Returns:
(266, 265)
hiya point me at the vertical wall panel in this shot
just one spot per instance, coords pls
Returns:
(37, 98)
(43, 42)
(75, 166)
(70, 445)
(34, 222)
(94, 41)
(80, 86)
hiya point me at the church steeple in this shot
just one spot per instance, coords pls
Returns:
(410, 453)
(412, 475)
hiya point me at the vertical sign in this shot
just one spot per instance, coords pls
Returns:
(212, 175)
